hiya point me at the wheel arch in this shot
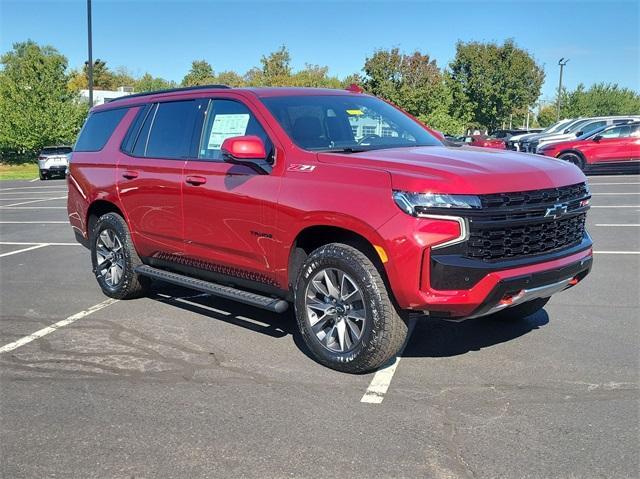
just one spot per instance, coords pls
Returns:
(96, 210)
(574, 152)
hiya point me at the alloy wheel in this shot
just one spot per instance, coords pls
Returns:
(109, 257)
(335, 309)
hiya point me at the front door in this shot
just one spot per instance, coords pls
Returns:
(229, 209)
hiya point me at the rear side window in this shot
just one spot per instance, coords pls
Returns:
(98, 129)
(168, 130)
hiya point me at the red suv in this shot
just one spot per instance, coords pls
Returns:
(614, 147)
(334, 201)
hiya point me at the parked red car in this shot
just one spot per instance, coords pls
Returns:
(332, 200)
(485, 142)
(615, 147)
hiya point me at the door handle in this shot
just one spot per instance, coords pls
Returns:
(196, 180)
(130, 175)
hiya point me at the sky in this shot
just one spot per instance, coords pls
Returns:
(601, 38)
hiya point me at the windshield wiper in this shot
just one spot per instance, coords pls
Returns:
(344, 150)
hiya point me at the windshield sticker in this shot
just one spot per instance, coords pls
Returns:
(227, 126)
(355, 112)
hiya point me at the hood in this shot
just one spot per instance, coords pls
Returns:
(462, 170)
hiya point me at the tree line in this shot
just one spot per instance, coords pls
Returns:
(485, 85)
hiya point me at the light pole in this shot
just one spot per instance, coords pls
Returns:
(562, 62)
(90, 63)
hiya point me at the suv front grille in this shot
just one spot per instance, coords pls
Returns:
(526, 239)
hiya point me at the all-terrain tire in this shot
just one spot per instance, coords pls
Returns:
(384, 331)
(130, 284)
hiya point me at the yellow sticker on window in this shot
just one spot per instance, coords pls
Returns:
(355, 112)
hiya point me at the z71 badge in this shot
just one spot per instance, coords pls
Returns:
(302, 168)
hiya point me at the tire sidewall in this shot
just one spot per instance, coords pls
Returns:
(116, 223)
(328, 257)
(574, 159)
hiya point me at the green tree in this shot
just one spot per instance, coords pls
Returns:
(229, 78)
(547, 115)
(599, 99)
(315, 76)
(414, 83)
(276, 67)
(103, 78)
(36, 106)
(201, 73)
(148, 82)
(493, 81)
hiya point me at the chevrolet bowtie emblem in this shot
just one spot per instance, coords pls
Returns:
(556, 211)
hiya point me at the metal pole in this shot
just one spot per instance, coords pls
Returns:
(562, 62)
(90, 64)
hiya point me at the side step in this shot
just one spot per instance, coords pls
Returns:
(227, 292)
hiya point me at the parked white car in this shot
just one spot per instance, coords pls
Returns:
(54, 161)
(513, 143)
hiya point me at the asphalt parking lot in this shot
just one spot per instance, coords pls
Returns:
(180, 384)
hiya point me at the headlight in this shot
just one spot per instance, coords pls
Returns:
(415, 203)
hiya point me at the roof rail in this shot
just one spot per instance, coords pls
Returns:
(168, 90)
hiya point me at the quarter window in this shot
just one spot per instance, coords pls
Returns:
(98, 129)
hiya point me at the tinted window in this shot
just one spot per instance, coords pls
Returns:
(339, 122)
(617, 132)
(226, 119)
(171, 130)
(98, 129)
(58, 150)
(134, 129)
(590, 127)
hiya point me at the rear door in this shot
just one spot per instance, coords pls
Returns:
(229, 210)
(614, 145)
(149, 175)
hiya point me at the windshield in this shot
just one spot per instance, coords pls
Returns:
(573, 127)
(556, 126)
(346, 123)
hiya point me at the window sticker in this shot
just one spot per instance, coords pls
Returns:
(355, 112)
(227, 126)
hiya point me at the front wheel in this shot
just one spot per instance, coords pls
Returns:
(344, 311)
(114, 259)
(573, 158)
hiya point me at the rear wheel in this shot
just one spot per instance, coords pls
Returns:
(43, 175)
(344, 311)
(573, 158)
(114, 259)
(521, 311)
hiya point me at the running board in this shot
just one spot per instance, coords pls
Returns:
(227, 292)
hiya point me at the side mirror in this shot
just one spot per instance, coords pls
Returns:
(580, 133)
(597, 138)
(246, 150)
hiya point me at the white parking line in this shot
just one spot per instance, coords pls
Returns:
(614, 184)
(35, 201)
(35, 179)
(616, 225)
(40, 245)
(50, 329)
(603, 206)
(49, 192)
(34, 222)
(616, 252)
(383, 376)
(616, 194)
(20, 243)
(31, 187)
(35, 207)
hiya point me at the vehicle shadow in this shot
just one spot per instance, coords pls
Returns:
(435, 338)
(431, 337)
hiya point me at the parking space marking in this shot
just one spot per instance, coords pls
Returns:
(614, 184)
(21, 243)
(617, 225)
(35, 179)
(36, 201)
(48, 192)
(34, 222)
(54, 327)
(33, 207)
(616, 194)
(607, 206)
(616, 252)
(31, 187)
(23, 250)
(383, 376)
